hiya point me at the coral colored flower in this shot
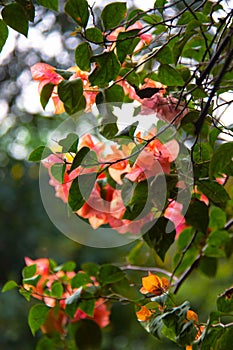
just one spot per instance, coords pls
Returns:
(45, 74)
(173, 212)
(144, 314)
(192, 316)
(55, 322)
(101, 314)
(154, 284)
(166, 108)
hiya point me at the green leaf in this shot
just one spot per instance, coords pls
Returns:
(80, 190)
(113, 14)
(46, 343)
(8, 286)
(46, 94)
(58, 171)
(68, 266)
(214, 191)
(39, 153)
(208, 265)
(126, 43)
(135, 198)
(78, 10)
(25, 293)
(217, 244)
(82, 153)
(198, 215)
(139, 254)
(225, 301)
(3, 34)
(83, 53)
(69, 143)
(187, 17)
(32, 280)
(128, 132)
(225, 342)
(125, 290)
(37, 316)
(94, 35)
(80, 279)
(87, 305)
(18, 22)
(64, 73)
(110, 274)
(29, 271)
(50, 4)
(28, 8)
(169, 76)
(88, 335)
(221, 158)
(114, 94)
(57, 289)
(217, 218)
(158, 239)
(106, 70)
(90, 268)
(165, 55)
(71, 94)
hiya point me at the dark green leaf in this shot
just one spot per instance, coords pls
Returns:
(18, 22)
(136, 199)
(169, 76)
(114, 94)
(208, 266)
(29, 271)
(83, 53)
(158, 239)
(128, 132)
(8, 286)
(80, 190)
(126, 43)
(58, 171)
(225, 301)
(32, 280)
(106, 70)
(46, 343)
(82, 153)
(198, 215)
(50, 4)
(3, 34)
(69, 143)
(37, 316)
(39, 153)
(225, 342)
(110, 274)
(165, 55)
(78, 10)
(108, 130)
(113, 14)
(46, 94)
(94, 35)
(90, 268)
(71, 94)
(125, 290)
(88, 335)
(80, 279)
(29, 8)
(217, 244)
(214, 191)
(64, 73)
(221, 158)
(87, 305)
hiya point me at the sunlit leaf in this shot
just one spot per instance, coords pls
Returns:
(37, 316)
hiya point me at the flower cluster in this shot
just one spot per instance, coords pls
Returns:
(105, 204)
(42, 286)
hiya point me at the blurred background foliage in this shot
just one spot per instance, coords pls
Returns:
(25, 227)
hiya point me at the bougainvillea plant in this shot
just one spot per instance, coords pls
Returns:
(169, 184)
